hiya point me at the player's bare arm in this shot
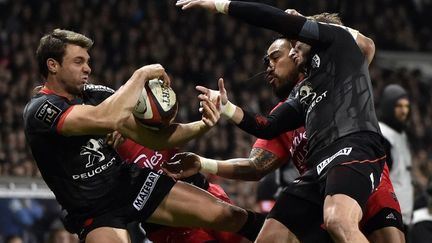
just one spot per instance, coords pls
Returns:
(367, 45)
(174, 135)
(260, 163)
(113, 112)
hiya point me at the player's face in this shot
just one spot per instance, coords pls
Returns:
(299, 53)
(74, 71)
(402, 109)
(282, 73)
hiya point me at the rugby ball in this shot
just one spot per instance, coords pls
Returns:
(157, 105)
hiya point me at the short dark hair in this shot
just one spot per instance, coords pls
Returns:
(53, 45)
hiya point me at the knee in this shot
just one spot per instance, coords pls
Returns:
(230, 217)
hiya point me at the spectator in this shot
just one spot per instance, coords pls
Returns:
(395, 107)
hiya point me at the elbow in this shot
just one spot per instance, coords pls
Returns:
(368, 48)
(128, 127)
(120, 122)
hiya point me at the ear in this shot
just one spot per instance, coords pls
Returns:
(52, 65)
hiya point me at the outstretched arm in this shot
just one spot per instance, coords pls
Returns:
(261, 15)
(284, 118)
(174, 135)
(260, 163)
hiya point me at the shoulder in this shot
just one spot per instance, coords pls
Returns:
(94, 94)
(97, 88)
(43, 102)
(45, 108)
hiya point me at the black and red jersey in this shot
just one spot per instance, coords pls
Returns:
(336, 98)
(84, 173)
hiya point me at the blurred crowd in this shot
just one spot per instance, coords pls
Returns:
(198, 48)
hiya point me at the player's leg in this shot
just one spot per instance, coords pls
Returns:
(274, 231)
(166, 234)
(387, 235)
(189, 206)
(224, 236)
(382, 221)
(341, 217)
(294, 219)
(348, 188)
(108, 235)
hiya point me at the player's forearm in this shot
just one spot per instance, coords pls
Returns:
(237, 116)
(181, 133)
(172, 136)
(118, 107)
(260, 163)
(237, 169)
(284, 118)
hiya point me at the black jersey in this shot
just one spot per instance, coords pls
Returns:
(84, 173)
(335, 100)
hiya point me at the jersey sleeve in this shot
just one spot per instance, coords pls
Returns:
(46, 113)
(291, 26)
(274, 146)
(268, 17)
(284, 118)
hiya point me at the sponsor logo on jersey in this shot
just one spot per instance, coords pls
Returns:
(306, 93)
(152, 163)
(298, 150)
(47, 113)
(316, 61)
(94, 171)
(316, 101)
(92, 152)
(96, 87)
(95, 159)
(145, 191)
(324, 163)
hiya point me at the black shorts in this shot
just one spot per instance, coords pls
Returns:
(302, 217)
(351, 166)
(146, 192)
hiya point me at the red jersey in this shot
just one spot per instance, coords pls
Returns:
(131, 152)
(290, 145)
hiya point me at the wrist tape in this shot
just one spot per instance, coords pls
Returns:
(209, 166)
